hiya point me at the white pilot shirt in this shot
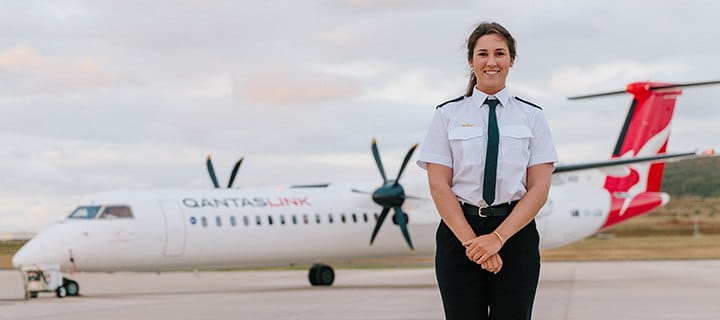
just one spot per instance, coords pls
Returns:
(457, 138)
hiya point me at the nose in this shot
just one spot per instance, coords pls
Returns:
(44, 248)
(491, 61)
(23, 257)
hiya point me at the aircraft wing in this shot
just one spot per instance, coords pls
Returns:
(621, 162)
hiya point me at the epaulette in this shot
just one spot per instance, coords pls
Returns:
(528, 102)
(453, 100)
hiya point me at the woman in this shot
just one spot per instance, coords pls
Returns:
(489, 158)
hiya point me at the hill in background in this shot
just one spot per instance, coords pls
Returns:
(697, 177)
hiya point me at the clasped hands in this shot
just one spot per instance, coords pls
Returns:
(483, 250)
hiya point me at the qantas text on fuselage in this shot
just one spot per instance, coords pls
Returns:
(257, 202)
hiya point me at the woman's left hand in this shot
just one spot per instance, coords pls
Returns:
(481, 248)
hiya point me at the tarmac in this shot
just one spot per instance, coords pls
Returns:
(568, 290)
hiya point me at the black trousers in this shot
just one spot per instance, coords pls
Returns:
(469, 292)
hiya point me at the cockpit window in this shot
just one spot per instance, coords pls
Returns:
(116, 212)
(84, 213)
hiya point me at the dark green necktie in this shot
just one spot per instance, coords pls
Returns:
(491, 155)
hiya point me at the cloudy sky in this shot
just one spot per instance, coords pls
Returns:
(99, 95)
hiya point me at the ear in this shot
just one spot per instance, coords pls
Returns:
(512, 62)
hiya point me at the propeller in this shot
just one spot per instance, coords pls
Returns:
(390, 195)
(213, 177)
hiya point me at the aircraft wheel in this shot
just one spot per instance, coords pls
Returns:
(61, 292)
(312, 275)
(321, 275)
(33, 294)
(72, 287)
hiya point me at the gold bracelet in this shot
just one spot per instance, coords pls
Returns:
(502, 242)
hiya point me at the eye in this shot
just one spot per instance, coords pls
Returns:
(482, 54)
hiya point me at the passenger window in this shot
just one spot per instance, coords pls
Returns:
(294, 219)
(317, 218)
(203, 220)
(354, 218)
(232, 221)
(282, 219)
(258, 220)
(305, 219)
(342, 217)
(84, 213)
(246, 221)
(365, 217)
(330, 218)
(218, 221)
(270, 220)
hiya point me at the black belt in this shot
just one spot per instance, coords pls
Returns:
(498, 210)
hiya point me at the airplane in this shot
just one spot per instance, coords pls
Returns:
(190, 229)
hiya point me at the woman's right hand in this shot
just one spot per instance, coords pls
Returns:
(493, 264)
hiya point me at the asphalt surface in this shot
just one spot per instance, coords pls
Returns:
(568, 290)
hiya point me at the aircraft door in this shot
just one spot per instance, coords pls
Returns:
(174, 227)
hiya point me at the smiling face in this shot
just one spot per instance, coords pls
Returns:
(491, 62)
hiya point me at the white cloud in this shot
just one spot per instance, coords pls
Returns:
(213, 86)
(416, 87)
(285, 86)
(573, 79)
(356, 69)
(26, 71)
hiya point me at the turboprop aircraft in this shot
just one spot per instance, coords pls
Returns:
(186, 229)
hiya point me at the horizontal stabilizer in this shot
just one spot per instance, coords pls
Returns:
(606, 165)
(657, 87)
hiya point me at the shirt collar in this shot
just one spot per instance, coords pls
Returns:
(479, 97)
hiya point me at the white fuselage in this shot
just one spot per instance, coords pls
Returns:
(215, 228)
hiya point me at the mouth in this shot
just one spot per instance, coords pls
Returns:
(491, 72)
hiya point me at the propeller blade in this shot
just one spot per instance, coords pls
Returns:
(379, 223)
(211, 171)
(400, 218)
(360, 191)
(376, 154)
(416, 198)
(405, 162)
(234, 172)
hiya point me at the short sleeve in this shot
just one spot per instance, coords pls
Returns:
(542, 148)
(436, 147)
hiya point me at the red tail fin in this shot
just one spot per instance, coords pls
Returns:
(646, 132)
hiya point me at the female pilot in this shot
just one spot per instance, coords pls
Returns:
(489, 158)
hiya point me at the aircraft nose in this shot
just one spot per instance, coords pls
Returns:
(22, 257)
(44, 248)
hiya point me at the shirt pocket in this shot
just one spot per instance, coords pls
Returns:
(468, 145)
(515, 146)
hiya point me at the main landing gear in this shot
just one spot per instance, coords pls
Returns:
(321, 275)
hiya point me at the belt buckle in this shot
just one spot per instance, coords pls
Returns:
(480, 210)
